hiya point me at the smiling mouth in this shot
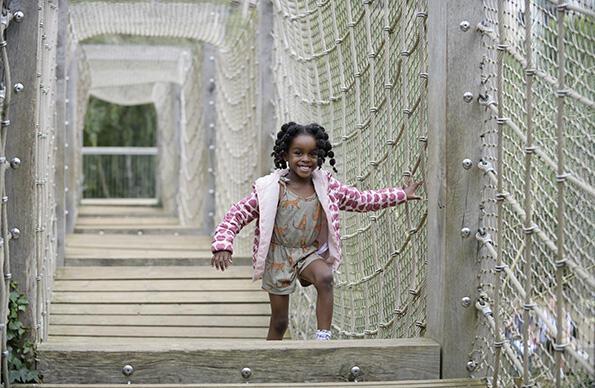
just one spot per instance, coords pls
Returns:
(304, 168)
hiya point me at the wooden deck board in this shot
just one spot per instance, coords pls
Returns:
(162, 309)
(156, 272)
(119, 297)
(156, 285)
(159, 331)
(162, 320)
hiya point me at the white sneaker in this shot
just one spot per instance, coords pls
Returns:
(323, 335)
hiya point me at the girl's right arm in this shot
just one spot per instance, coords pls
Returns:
(239, 215)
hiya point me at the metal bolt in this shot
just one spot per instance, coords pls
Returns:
(19, 87)
(15, 162)
(471, 365)
(465, 301)
(465, 232)
(127, 370)
(19, 16)
(464, 26)
(355, 373)
(468, 97)
(15, 233)
(246, 373)
(467, 164)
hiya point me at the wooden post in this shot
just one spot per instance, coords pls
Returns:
(22, 41)
(265, 109)
(453, 191)
(60, 128)
(210, 123)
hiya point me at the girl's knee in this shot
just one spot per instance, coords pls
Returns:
(324, 281)
(279, 324)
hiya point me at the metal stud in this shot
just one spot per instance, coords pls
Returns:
(464, 26)
(468, 97)
(15, 233)
(19, 87)
(471, 365)
(355, 373)
(246, 373)
(467, 164)
(19, 16)
(127, 370)
(15, 163)
(465, 232)
(465, 301)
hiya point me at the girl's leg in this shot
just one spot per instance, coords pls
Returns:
(319, 273)
(279, 316)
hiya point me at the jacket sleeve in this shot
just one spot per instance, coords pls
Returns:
(351, 199)
(239, 215)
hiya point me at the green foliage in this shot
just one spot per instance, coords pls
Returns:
(21, 350)
(117, 125)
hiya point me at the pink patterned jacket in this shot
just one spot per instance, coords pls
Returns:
(261, 204)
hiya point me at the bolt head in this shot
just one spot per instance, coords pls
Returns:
(19, 16)
(246, 373)
(465, 232)
(15, 233)
(356, 371)
(15, 162)
(467, 164)
(128, 370)
(468, 97)
(471, 365)
(19, 87)
(464, 26)
(465, 301)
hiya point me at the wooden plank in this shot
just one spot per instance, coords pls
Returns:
(216, 361)
(162, 320)
(161, 309)
(146, 229)
(136, 241)
(126, 221)
(119, 201)
(161, 297)
(158, 331)
(97, 253)
(117, 211)
(148, 261)
(460, 383)
(157, 272)
(156, 285)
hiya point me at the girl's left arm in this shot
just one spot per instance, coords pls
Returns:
(352, 199)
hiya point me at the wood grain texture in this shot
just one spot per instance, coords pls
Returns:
(451, 383)
(106, 273)
(220, 362)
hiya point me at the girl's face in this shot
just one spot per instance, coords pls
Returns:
(302, 156)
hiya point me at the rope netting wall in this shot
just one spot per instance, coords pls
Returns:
(236, 155)
(538, 256)
(359, 68)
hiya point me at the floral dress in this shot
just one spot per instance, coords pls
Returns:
(293, 244)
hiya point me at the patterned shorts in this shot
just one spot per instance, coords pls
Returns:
(283, 282)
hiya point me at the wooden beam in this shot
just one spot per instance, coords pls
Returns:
(220, 362)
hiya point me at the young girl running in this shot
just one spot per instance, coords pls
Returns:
(297, 236)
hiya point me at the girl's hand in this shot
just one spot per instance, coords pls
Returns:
(410, 190)
(221, 260)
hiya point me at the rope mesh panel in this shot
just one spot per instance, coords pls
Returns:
(538, 272)
(360, 69)
(236, 156)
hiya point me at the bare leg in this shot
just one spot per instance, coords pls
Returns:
(319, 273)
(279, 316)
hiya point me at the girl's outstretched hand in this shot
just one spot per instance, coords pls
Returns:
(410, 190)
(221, 260)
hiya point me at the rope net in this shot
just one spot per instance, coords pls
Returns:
(360, 70)
(537, 280)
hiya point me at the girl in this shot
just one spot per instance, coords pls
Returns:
(297, 235)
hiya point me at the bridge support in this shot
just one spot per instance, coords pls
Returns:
(21, 136)
(454, 192)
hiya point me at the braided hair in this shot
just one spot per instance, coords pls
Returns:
(290, 130)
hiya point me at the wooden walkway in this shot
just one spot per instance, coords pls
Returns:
(127, 286)
(138, 289)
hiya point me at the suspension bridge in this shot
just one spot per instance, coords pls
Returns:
(488, 281)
